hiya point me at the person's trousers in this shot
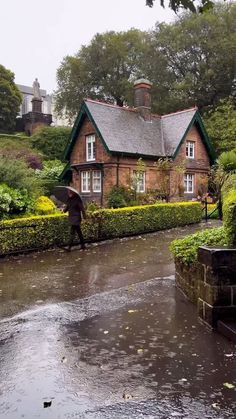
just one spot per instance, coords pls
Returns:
(73, 230)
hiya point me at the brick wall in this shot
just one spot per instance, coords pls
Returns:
(126, 165)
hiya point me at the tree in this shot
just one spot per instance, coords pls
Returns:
(175, 5)
(221, 173)
(200, 55)
(104, 70)
(51, 141)
(221, 126)
(10, 100)
(189, 62)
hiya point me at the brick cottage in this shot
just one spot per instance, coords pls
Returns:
(107, 141)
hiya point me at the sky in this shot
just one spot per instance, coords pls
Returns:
(36, 34)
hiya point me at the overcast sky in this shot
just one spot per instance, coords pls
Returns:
(36, 35)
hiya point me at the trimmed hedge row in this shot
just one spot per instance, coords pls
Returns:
(44, 231)
(229, 216)
(186, 249)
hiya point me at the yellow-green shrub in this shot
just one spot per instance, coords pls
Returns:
(44, 205)
(229, 216)
(39, 232)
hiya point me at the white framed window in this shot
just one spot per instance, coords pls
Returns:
(97, 181)
(90, 147)
(190, 149)
(140, 181)
(188, 183)
(85, 181)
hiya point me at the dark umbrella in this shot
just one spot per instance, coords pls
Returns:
(61, 193)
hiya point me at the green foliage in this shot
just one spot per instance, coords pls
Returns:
(16, 175)
(221, 126)
(50, 174)
(15, 147)
(10, 100)
(43, 206)
(141, 219)
(229, 184)
(186, 249)
(176, 5)
(45, 231)
(229, 216)
(117, 197)
(197, 56)
(102, 70)
(190, 61)
(12, 201)
(227, 162)
(51, 141)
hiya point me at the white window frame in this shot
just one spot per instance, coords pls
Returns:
(97, 181)
(190, 149)
(85, 181)
(140, 181)
(189, 183)
(90, 148)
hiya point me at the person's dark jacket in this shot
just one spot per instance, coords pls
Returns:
(75, 208)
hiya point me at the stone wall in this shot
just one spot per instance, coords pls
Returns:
(211, 283)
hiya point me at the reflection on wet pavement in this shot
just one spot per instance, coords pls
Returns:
(105, 334)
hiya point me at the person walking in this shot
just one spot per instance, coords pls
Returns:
(74, 206)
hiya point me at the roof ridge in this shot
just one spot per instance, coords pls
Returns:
(124, 108)
(110, 105)
(194, 108)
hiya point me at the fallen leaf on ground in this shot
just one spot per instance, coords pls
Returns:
(132, 311)
(228, 385)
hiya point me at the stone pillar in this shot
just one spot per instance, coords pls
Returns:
(216, 287)
(36, 105)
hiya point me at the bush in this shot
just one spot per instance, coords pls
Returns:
(147, 218)
(186, 249)
(16, 175)
(44, 205)
(45, 231)
(229, 216)
(51, 141)
(117, 197)
(12, 201)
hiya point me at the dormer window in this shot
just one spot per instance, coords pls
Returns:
(90, 148)
(190, 149)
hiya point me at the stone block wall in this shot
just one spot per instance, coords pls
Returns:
(211, 283)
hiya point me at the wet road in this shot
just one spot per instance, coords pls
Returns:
(105, 334)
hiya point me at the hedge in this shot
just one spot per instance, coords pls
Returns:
(229, 216)
(186, 249)
(40, 232)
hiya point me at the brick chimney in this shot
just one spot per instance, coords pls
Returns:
(142, 98)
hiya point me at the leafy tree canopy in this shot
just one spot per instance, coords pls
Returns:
(221, 126)
(51, 141)
(175, 5)
(199, 53)
(102, 70)
(189, 62)
(10, 100)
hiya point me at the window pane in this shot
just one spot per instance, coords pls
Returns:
(97, 181)
(85, 181)
(90, 147)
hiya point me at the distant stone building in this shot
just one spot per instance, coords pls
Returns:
(47, 108)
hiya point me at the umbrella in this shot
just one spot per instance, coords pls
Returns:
(61, 193)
